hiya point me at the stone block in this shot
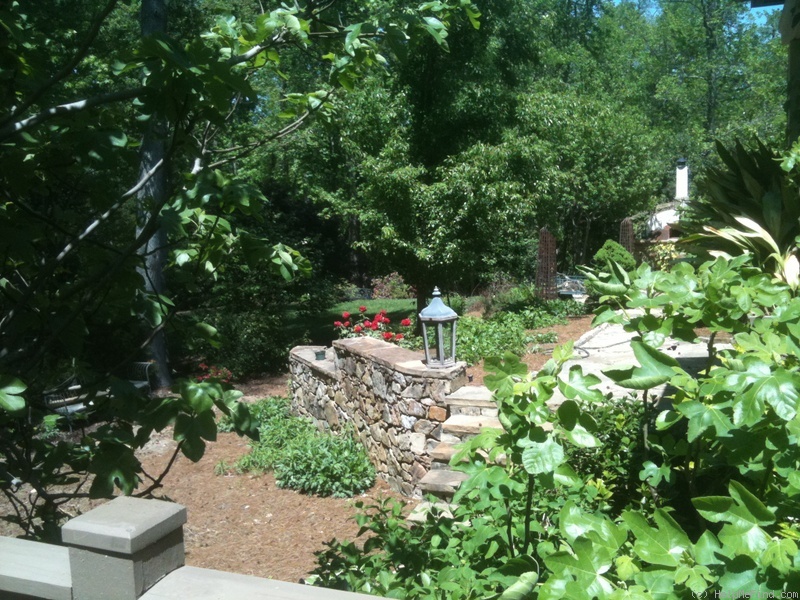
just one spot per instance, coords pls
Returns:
(413, 391)
(413, 408)
(417, 443)
(418, 472)
(408, 421)
(31, 569)
(424, 426)
(437, 413)
(120, 549)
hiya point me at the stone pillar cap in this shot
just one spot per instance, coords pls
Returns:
(125, 525)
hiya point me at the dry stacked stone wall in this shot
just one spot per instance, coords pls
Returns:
(394, 403)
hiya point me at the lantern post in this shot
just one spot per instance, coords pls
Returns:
(439, 332)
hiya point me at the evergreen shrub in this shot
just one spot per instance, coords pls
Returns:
(613, 251)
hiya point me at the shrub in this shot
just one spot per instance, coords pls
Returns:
(257, 342)
(303, 458)
(391, 286)
(279, 430)
(612, 251)
(326, 465)
(479, 338)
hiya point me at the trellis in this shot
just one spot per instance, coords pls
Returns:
(626, 239)
(546, 269)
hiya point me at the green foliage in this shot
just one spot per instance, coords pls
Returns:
(253, 342)
(390, 286)
(478, 338)
(506, 331)
(605, 499)
(326, 465)
(304, 459)
(750, 206)
(90, 107)
(613, 251)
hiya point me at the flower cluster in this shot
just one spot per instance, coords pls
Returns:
(214, 373)
(377, 326)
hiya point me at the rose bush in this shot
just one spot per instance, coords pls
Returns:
(377, 326)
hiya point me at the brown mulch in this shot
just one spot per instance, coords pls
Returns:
(244, 523)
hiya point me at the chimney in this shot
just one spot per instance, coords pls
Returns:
(682, 180)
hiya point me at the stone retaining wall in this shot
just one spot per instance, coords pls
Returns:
(394, 403)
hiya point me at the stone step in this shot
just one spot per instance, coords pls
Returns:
(466, 425)
(442, 481)
(423, 509)
(442, 453)
(471, 395)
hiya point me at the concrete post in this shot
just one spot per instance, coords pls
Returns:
(120, 549)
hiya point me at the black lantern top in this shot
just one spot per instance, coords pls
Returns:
(437, 310)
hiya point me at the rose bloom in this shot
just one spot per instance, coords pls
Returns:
(374, 326)
(345, 315)
(347, 323)
(383, 312)
(387, 321)
(367, 323)
(399, 336)
(357, 329)
(362, 309)
(387, 335)
(337, 323)
(406, 322)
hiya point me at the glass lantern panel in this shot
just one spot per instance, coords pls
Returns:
(446, 341)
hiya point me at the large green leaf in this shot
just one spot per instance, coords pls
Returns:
(662, 545)
(765, 386)
(587, 566)
(523, 588)
(702, 416)
(503, 372)
(743, 513)
(114, 465)
(10, 388)
(542, 457)
(580, 385)
(656, 368)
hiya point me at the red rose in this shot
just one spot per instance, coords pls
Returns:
(345, 315)
(385, 320)
(337, 323)
(383, 312)
(399, 336)
(387, 335)
(374, 326)
(362, 309)
(406, 322)
(367, 323)
(357, 329)
(347, 323)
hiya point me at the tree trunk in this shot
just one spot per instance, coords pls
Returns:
(152, 197)
(793, 104)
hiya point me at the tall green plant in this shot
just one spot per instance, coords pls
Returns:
(751, 206)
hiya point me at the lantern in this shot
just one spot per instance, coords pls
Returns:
(439, 332)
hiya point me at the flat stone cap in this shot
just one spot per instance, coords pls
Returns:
(207, 584)
(34, 569)
(125, 525)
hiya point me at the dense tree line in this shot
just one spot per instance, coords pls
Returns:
(569, 115)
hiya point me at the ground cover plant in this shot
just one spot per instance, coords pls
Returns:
(707, 503)
(302, 457)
